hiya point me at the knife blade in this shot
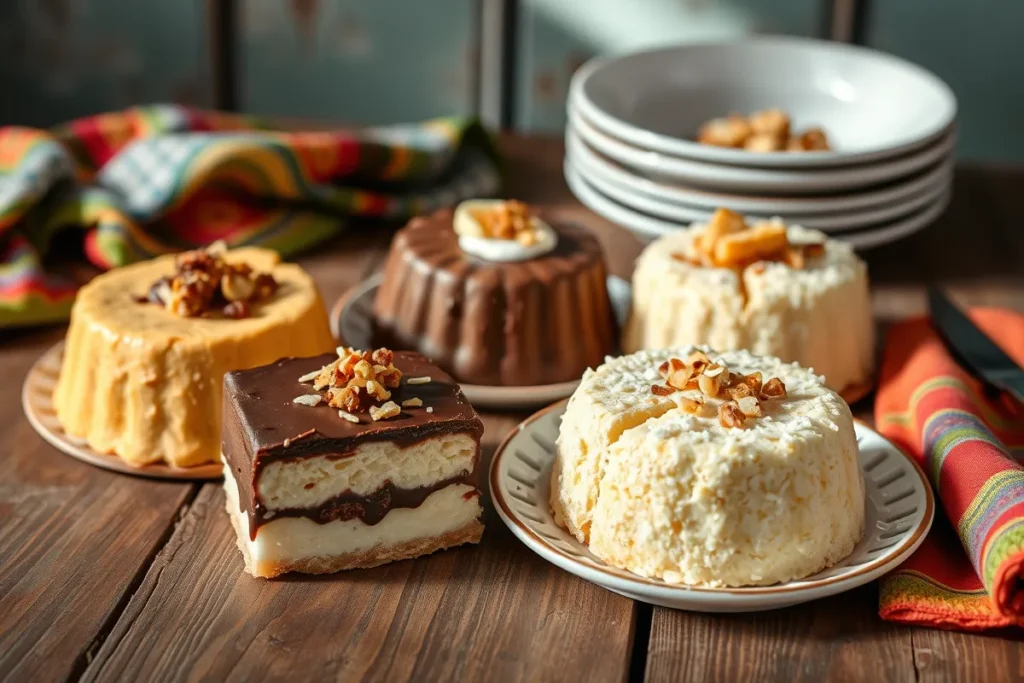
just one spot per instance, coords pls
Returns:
(973, 348)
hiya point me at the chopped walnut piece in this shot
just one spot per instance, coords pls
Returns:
(506, 220)
(730, 416)
(347, 398)
(772, 122)
(723, 222)
(388, 410)
(709, 386)
(383, 356)
(773, 388)
(763, 142)
(236, 310)
(697, 360)
(414, 402)
(661, 390)
(715, 369)
(680, 379)
(761, 241)
(739, 390)
(749, 406)
(732, 131)
(236, 287)
(692, 405)
(753, 380)
(813, 249)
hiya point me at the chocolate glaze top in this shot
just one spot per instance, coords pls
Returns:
(259, 416)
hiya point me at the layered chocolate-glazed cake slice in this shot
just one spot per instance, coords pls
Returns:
(497, 296)
(348, 460)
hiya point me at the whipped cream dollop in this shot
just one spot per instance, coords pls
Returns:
(475, 239)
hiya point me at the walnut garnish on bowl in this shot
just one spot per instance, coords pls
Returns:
(728, 241)
(205, 283)
(739, 396)
(763, 131)
(358, 382)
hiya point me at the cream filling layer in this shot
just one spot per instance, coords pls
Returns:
(308, 482)
(289, 539)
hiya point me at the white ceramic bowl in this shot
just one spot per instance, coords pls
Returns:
(648, 227)
(790, 181)
(626, 195)
(590, 163)
(872, 105)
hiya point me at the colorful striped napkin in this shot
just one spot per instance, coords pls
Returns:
(158, 179)
(969, 572)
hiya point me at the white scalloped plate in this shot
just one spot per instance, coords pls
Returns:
(352, 323)
(899, 506)
(37, 401)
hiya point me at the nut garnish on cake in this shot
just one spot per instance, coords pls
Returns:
(205, 283)
(358, 382)
(729, 241)
(502, 230)
(763, 131)
(740, 395)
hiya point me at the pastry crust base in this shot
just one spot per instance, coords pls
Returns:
(363, 559)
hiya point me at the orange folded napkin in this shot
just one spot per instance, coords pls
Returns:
(969, 572)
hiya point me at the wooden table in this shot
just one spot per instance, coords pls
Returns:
(109, 577)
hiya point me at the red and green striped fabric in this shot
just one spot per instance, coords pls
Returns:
(158, 179)
(969, 572)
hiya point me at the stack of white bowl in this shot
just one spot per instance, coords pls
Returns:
(632, 158)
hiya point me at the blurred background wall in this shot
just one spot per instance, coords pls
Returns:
(380, 61)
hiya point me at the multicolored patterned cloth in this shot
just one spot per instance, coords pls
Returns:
(969, 572)
(158, 179)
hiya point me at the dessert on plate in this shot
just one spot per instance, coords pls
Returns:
(347, 460)
(149, 344)
(709, 469)
(496, 296)
(769, 288)
(763, 131)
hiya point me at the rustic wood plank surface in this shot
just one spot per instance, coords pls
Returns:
(109, 577)
(74, 540)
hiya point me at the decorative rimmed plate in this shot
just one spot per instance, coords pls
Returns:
(351, 322)
(37, 401)
(830, 223)
(830, 211)
(648, 227)
(664, 168)
(899, 511)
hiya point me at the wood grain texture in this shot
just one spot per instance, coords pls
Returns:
(74, 539)
(491, 612)
(835, 639)
(947, 657)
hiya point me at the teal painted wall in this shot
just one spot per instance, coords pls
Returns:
(61, 59)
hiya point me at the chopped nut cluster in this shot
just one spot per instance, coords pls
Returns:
(741, 395)
(360, 382)
(507, 220)
(762, 131)
(205, 283)
(729, 242)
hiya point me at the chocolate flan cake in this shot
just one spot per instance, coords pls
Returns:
(496, 296)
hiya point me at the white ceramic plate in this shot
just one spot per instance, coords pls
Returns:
(848, 220)
(899, 505)
(648, 227)
(720, 177)
(37, 402)
(351, 323)
(658, 99)
(591, 164)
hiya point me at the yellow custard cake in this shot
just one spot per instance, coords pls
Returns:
(768, 288)
(149, 344)
(709, 469)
